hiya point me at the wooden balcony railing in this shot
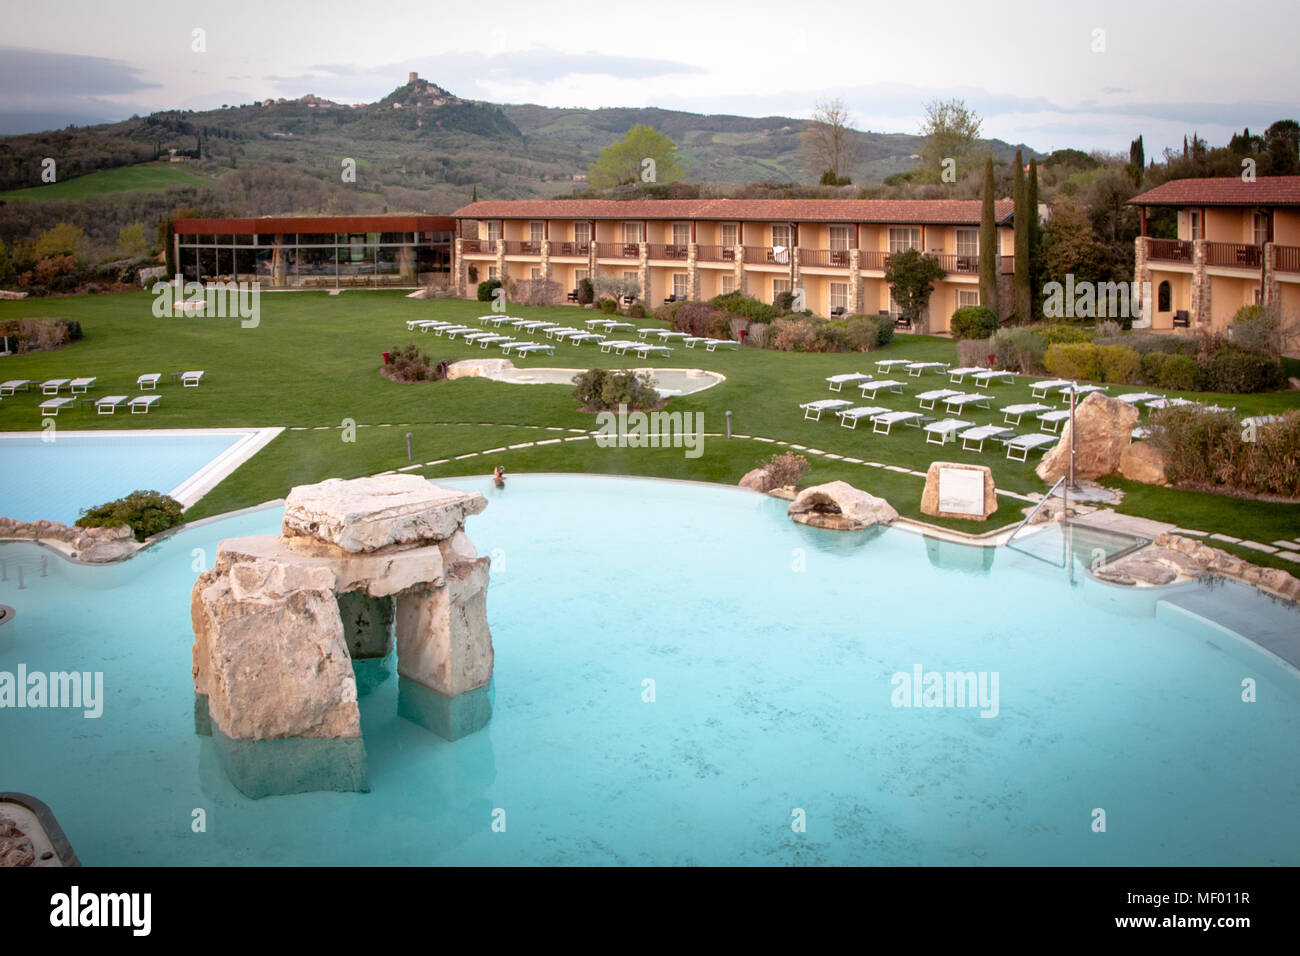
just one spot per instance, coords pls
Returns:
(1286, 258)
(833, 258)
(872, 260)
(767, 255)
(487, 246)
(1169, 250)
(1235, 254)
(659, 250)
(715, 253)
(958, 264)
(523, 247)
(618, 250)
(580, 249)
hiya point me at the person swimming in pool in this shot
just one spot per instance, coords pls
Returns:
(499, 476)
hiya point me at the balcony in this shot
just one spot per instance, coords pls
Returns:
(766, 255)
(658, 250)
(958, 264)
(618, 250)
(1286, 258)
(715, 253)
(872, 260)
(523, 247)
(573, 250)
(480, 246)
(828, 258)
(1233, 254)
(1169, 250)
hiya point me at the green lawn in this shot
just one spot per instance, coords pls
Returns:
(153, 177)
(312, 361)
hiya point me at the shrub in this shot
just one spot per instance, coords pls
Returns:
(1108, 328)
(1073, 360)
(667, 311)
(1210, 448)
(862, 333)
(758, 334)
(793, 335)
(740, 304)
(973, 352)
(1144, 343)
(486, 288)
(785, 468)
(973, 322)
(1119, 363)
(736, 324)
(1057, 332)
(884, 330)
(1178, 372)
(784, 302)
(608, 306)
(1022, 350)
(637, 311)
(1261, 328)
(1236, 370)
(586, 294)
(38, 334)
(147, 512)
(700, 318)
(600, 389)
(406, 363)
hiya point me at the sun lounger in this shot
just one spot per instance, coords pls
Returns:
(499, 320)
(485, 319)
(616, 345)
(108, 404)
(979, 434)
(1052, 420)
(927, 399)
(592, 323)
(1040, 389)
(493, 339)
(956, 375)
(646, 349)
(849, 417)
(532, 347)
(1080, 390)
(422, 324)
(452, 330)
(837, 381)
(1162, 403)
(475, 336)
(532, 325)
(463, 330)
(141, 404)
(955, 403)
(80, 386)
(1027, 443)
(191, 379)
(915, 369)
(149, 381)
(887, 384)
(1134, 398)
(668, 335)
(561, 332)
(890, 419)
(619, 327)
(1139, 433)
(511, 344)
(586, 337)
(712, 345)
(1025, 408)
(51, 386)
(14, 385)
(941, 432)
(982, 379)
(1218, 408)
(886, 364)
(823, 405)
(51, 406)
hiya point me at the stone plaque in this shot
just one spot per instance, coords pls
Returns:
(961, 491)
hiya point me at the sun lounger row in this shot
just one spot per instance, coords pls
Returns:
(80, 386)
(107, 405)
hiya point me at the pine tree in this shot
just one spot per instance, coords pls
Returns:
(474, 197)
(988, 244)
(1035, 239)
(1021, 276)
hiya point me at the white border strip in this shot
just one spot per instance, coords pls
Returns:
(197, 485)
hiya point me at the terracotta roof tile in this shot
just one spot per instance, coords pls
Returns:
(1227, 191)
(932, 211)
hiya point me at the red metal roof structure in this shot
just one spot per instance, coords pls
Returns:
(278, 225)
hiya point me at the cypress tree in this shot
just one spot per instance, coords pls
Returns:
(1022, 219)
(988, 244)
(1035, 240)
(474, 197)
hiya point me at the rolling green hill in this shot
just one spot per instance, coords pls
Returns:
(149, 177)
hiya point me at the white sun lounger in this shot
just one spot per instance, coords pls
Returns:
(51, 406)
(149, 381)
(823, 405)
(1025, 408)
(982, 379)
(927, 399)
(1161, 403)
(511, 344)
(1139, 433)
(560, 332)
(1080, 390)
(532, 347)
(1026, 443)
(1040, 389)
(941, 432)
(886, 364)
(646, 349)
(887, 384)
(51, 386)
(141, 404)
(849, 417)
(619, 327)
(491, 316)
(1134, 398)
(890, 419)
(956, 375)
(600, 320)
(915, 369)
(955, 403)
(532, 325)
(1218, 408)
(616, 345)
(586, 337)
(80, 386)
(108, 404)
(837, 381)
(712, 345)
(191, 379)
(1052, 420)
(14, 384)
(422, 324)
(453, 330)
(668, 335)
(979, 434)
(425, 327)
(493, 339)
(475, 336)
(463, 330)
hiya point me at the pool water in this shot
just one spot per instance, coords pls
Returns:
(770, 647)
(54, 481)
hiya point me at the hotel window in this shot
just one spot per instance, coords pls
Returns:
(534, 273)
(781, 236)
(779, 286)
(728, 284)
(494, 229)
(968, 242)
(631, 276)
(679, 284)
(1259, 226)
(967, 297)
(582, 232)
(1195, 218)
(536, 231)
(902, 238)
(840, 238)
(729, 234)
(894, 310)
(839, 296)
(492, 272)
(681, 233)
(631, 232)
(579, 275)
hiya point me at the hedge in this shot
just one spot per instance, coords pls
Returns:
(973, 322)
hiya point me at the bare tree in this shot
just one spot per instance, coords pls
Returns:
(826, 143)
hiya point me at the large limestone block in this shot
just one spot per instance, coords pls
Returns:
(1102, 430)
(377, 574)
(270, 656)
(1144, 462)
(443, 641)
(930, 502)
(479, 368)
(839, 506)
(759, 479)
(366, 514)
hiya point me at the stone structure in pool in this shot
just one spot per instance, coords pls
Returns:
(280, 622)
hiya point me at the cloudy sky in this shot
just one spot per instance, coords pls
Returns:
(1042, 72)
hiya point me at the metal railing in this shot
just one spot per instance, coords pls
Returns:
(1065, 498)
